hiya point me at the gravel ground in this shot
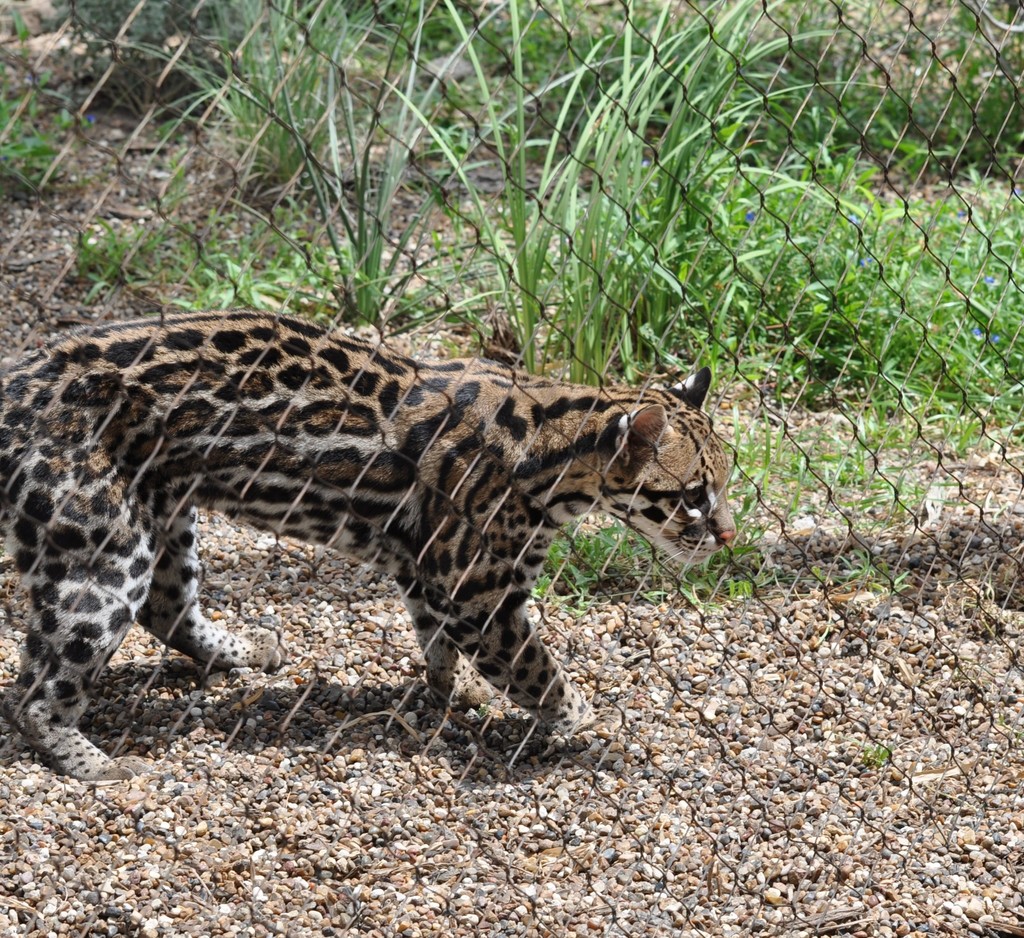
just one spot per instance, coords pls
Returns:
(809, 751)
(791, 765)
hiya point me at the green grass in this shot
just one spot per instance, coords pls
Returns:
(914, 304)
(32, 131)
(208, 265)
(585, 567)
(928, 97)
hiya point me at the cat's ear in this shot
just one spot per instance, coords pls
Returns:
(695, 388)
(638, 433)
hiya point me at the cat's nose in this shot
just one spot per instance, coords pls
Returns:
(725, 536)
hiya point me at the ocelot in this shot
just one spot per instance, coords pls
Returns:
(452, 475)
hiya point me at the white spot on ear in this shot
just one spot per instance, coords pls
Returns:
(693, 513)
(687, 385)
(620, 442)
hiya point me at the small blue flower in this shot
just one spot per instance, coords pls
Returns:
(854, 218)
(995, 339)
(1018, 191)
(865, 261)
(90, 118)
(750, 216)
(961, 214)
(977, 333)
(990, 280)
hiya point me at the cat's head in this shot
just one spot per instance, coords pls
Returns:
(667, 472)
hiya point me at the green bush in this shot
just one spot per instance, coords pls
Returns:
(932, 96)
(27, 151)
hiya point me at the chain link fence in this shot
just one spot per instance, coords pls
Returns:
(822, 727)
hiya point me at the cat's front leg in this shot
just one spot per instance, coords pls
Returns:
(504, 648)
(449, 676)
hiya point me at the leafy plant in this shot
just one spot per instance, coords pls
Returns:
(915, 302)
(261, 269)
(269, 276)
(111, 255)
(876, 756)
(29, 137)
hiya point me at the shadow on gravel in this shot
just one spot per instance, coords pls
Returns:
(140, 710)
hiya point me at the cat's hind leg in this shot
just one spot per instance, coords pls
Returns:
(502, 645)
(172, 612)
(470, 653)
(86, 570)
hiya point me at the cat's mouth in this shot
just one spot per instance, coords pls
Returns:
(697, 551)
(688, 547)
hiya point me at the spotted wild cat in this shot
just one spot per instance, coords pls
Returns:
(451, 475)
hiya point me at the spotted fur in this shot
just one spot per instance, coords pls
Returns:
(454, 476)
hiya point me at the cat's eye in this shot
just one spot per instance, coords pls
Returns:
(693, 494)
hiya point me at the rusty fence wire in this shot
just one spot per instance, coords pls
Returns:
(819, 730)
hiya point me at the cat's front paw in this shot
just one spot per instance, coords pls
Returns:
(460, 688)
(471, 690)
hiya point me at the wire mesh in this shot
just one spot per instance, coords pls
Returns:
(816, 731)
